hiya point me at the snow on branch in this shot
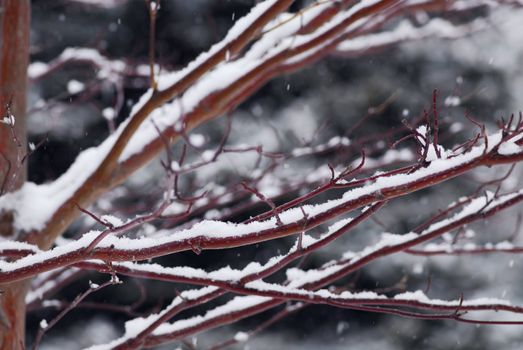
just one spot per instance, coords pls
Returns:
(405, 31)
(265, 43)
(108, 153)
(106, 68)
(247, 305)
(212, 84)
(241, 307)
(210, 234)
(387, 244)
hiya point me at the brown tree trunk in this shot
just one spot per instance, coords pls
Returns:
(12, 315)
(14, 58)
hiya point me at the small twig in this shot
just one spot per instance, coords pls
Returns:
(266, 200)
(94, 217)
(482, 128)
(36, 147)
(42, 330)
(435, 130)
(152, 6)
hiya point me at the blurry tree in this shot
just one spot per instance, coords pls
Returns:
(54, 233)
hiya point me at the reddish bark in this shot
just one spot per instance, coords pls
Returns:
(14, 57)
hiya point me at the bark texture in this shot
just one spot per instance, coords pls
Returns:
(14, 57)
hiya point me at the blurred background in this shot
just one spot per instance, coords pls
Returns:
(75, 108)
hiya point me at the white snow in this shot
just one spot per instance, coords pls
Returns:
(298, 278)
(419, 296)
(209, 229)
(241, 336)
(33, 205)
(37, 69)
(238, 28)
(109, 113)
(75, 86)
(43, 324)
(406, 31)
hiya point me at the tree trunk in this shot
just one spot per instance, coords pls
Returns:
(12, 315)
(14, 58)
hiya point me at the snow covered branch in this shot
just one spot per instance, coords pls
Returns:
(212, 84)
(350, 179)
